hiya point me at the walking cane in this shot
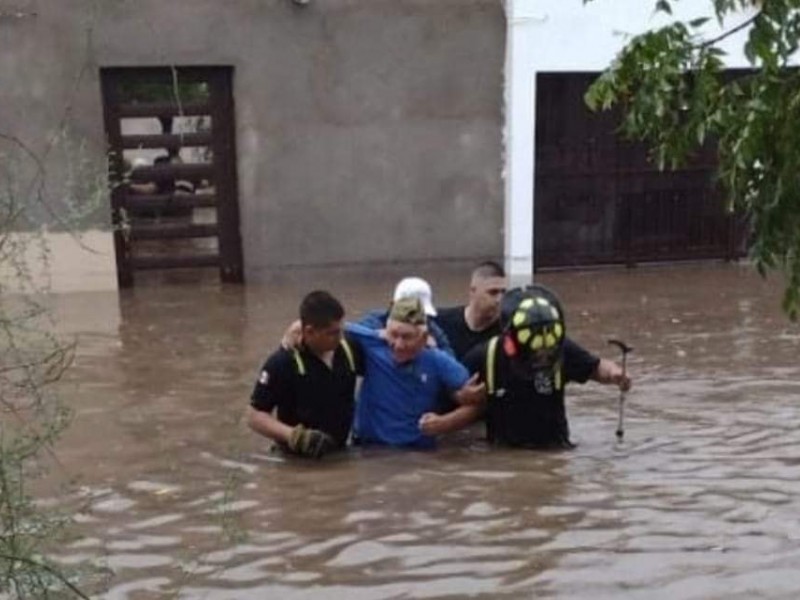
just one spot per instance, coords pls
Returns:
(624, 348)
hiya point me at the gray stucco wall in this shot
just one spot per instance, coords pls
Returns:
(368, 131)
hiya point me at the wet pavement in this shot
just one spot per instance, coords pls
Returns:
(179, 500)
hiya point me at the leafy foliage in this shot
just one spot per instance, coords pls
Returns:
(676, 95)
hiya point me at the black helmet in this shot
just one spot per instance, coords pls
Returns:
(534, 320)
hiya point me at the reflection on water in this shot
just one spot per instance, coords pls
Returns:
(177, 497)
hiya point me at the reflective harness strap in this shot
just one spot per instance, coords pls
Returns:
(348, 352)
(558, 377)
(491, 356)
(491, 360)
(298, 360)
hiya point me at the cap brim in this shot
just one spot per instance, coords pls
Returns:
(430, 309)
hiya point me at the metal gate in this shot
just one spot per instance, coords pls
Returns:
(172, 167)
(598, 200)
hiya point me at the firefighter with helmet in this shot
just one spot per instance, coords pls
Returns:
(526, 369)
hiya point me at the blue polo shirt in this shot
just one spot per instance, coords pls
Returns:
(394, 396)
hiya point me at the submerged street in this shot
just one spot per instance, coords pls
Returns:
(177, 498)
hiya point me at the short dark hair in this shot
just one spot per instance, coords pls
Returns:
(320, 309)
(488, 269)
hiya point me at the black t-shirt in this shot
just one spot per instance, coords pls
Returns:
(320, 397)
(461, 337)
(527, 409)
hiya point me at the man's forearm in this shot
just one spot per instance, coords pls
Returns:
(471, 393)
(268, 426)
(459, 418)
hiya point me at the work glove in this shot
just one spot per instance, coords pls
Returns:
(310, 442)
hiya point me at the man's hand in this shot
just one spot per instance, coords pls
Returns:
(471, 393)
(310, 442)
(610, 372)
(293, 336)
(431, 424)
(623, 381)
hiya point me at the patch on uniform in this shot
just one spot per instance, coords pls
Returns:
(263, 378)
(423, 377)
(543, 383)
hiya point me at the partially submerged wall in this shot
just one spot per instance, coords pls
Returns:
(368, 131)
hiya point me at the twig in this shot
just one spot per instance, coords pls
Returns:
(730, 32)
(49, 569)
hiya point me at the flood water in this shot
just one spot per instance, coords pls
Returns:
(177, 499)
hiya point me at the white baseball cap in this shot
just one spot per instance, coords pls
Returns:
(414, 287)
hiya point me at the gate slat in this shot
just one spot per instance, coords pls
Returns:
(162, 201)
(173, 141)
(170, 231)
(170, 172)
(175, 262)
(162, 109)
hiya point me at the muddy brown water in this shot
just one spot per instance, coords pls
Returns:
(178, 499)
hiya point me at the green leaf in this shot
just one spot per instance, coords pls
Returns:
(677, 97)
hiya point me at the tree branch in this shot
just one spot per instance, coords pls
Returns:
(730, 32)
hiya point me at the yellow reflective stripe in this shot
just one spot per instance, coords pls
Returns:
(298, 360)
(491, 354)
(348, 352)
(558, 376)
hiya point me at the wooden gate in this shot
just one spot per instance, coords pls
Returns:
(598, 200)
(172, 167)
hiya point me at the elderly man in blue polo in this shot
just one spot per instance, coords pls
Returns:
(403, 380)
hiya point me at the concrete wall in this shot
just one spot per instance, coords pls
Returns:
(368, 130)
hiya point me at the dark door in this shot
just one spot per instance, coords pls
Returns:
(172, 165)
(599, 200)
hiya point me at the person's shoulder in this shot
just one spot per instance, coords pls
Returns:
(450, 313)
(351, 345)
(443, 363)
(365, 338)
(374, 319)
(573, 348)
(279, 358)
(574, 352)
(358, 331)
(476, 356)
(438, 355)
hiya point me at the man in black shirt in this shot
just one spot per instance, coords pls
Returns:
(312, 386)
(478, 321)
(526, 368)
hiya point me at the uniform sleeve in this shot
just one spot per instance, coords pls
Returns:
(273, 386)
(445, 319)
(475, 361)
(442, 341)
(452, 373)
(579, 364)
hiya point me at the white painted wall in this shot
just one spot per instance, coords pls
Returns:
(566, 35)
